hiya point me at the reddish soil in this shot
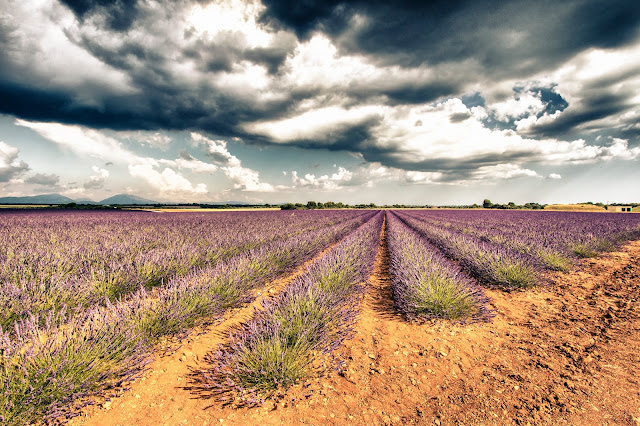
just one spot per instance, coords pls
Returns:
(566, 354)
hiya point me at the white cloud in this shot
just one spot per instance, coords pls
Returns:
(439, 144)
(230, 17)
(555, 176)
(411, 176)
(39, 50)
(503, 171)
(315, 124)
(92, 143)
(601, 81)
(324, 182)
(154, 139)
(246, 179)
(243, 178)
(216, 150)
(317, 64)
(194, 165)
(83, 141)
(364, 176)
(97, 180)
(72, 192)
(11, 167)
(528, 104)
(167, 180)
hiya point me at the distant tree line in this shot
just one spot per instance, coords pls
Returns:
(314, 205)
(487, 204)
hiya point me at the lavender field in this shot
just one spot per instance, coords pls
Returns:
(87, 296)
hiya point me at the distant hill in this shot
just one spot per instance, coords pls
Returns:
(37, 199)
(122, 199)
(126, 199)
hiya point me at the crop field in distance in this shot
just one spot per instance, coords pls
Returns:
(319, 317)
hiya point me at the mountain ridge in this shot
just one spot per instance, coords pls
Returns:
(128, 199)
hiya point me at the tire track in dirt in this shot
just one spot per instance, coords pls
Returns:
(158, 397)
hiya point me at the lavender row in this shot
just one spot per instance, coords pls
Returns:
(425, 284)
(547, 253)
(290, 337)
(51, 364)
(111, 255)
(550, 235)
(488, 263)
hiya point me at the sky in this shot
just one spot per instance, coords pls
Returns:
(405, 102)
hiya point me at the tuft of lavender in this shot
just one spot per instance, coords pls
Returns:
(425, 284)
(51, 365)
(288, 339)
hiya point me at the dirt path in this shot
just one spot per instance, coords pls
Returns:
(568, 354)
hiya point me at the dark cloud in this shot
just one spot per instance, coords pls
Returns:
(601, 98)
(417, 93)
(94, 184)
(593, 108)
(185, 155)
(508, 38)
(272, 57)
(56, 105)
(43, 179)
(118, 15)
(301, 16)
(454, 169)
(160, 105)
(459, 117)
(351, 138)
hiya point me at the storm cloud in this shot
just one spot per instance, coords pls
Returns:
(495, 86)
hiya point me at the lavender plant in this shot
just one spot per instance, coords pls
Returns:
(48, 371)
(425, 284)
